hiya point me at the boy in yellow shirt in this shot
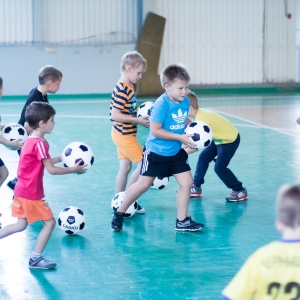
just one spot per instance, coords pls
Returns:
(226, 140)
(273, 271)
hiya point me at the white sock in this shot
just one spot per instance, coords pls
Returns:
(35, 256)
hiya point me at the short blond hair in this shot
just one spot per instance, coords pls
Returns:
(288, 205)
(134, 59)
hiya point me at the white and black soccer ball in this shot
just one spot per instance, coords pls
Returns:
(144, 110)
(116, 202)
(202, 134)
(14, 131)
(78, 151)
(159, 183)
(71, 220)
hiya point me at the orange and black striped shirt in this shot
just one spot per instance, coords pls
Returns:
(123, 98)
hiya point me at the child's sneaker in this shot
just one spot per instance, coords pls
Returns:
(238, 196)
(188, 225)
(140, 210)
(196, 192)
(41, 263)
(117, 221)
(12, 183)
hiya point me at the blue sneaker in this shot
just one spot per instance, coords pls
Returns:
(41, 263)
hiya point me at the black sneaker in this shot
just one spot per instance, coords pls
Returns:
(117, 221)
(12, 183)
(188, 225)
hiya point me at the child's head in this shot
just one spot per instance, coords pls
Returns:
(50, 77)
(175, 80)
(193, 100)
(288, 206)
(38, 111)
(133, 65)
(172, 73)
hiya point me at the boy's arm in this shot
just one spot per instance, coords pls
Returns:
(117, 115)
(17, 144)
(157, 130)
(298, 120)
(61, 171)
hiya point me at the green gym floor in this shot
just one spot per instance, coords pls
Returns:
(148, 259)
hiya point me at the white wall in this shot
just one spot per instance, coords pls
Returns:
(221, 42)
(86, 69)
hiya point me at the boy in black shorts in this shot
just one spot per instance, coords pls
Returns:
(163, 155)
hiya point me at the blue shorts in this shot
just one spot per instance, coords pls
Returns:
(155, 165)
(1, 163)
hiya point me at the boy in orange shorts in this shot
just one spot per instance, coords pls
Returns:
(29, 205)
(123, 117)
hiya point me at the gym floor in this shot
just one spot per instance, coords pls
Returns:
(148, 259)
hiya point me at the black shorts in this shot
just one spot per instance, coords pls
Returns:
(155, 165)
(1, 163)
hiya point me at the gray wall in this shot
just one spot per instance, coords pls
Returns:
(86, 69)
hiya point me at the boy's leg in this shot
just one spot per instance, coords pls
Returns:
(185, 181)
(19, 226)
(121, 179)
(37, 261)
(206, 156)
(183, 222)
(135, 174)
(44, 235)
(225, 154)
(3, 172)
(132, 194)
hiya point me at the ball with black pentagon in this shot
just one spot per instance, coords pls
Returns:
(71, 220)
(202, 134)
(75, 152)
(14, 131)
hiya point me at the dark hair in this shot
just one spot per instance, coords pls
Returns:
(288, 205)
(172, 72)
(47, 73)
(1, 83)
(38, 111)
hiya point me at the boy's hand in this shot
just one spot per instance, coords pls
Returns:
(79, 169)
(298, 120)
(144, 121)
(185, 139)
(16, 144)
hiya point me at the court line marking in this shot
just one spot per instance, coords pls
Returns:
(259, 125)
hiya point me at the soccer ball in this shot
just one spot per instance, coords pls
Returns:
(14, 131)
(78, 151)
(159, 183)
(144, 110)
(117, 200)
(71, 220)
(202, 134)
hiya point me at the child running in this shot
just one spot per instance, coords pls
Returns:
(29, 204)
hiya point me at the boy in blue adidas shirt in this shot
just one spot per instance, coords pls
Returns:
(163, 155)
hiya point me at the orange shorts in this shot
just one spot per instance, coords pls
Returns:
(32, 210)
(127, 146)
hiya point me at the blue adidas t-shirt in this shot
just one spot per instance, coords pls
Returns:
(172, 116)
